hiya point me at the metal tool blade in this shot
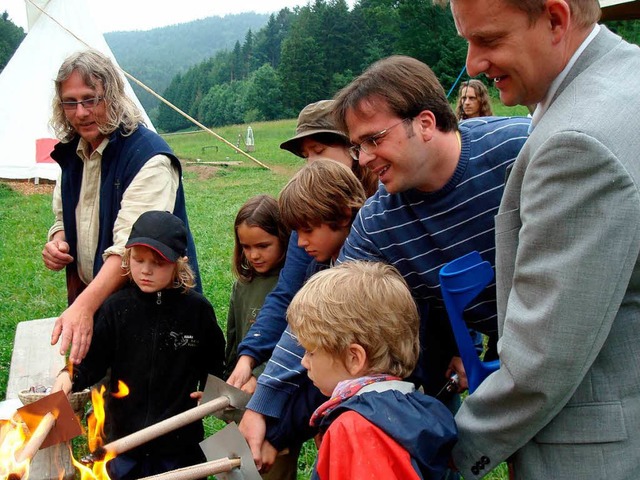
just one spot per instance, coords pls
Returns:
(230, 443)
(67, 425)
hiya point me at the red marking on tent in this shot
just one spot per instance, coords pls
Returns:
(44, 147)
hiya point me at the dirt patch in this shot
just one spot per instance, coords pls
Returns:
(27, 187)
(202, 172)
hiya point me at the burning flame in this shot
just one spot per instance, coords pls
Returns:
(97, 471)
(14, 435)
(95, 421)
(12, 438)
(95, 434)
(123, 390)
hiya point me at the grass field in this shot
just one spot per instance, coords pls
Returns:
(214, 195)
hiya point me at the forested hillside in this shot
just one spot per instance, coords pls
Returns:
(250, 67)
(10, 37)
(156, 56)
(310, 53)
(307, 55)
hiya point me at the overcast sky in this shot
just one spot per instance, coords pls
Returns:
(116, 15)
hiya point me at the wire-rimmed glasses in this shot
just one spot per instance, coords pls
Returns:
(369, 144)
(87, 103)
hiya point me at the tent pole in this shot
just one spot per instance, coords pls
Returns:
(193, 120)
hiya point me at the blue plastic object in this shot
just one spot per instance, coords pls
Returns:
(461, 280)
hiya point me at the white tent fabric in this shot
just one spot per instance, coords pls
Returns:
(26, 84)
(609, 3)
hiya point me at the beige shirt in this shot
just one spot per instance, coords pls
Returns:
(153, 188)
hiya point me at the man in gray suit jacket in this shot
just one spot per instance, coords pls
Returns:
(565, 403)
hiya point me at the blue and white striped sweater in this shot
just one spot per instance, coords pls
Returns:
(418, 233)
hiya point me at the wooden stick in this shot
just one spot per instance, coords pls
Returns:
(156, 430)
(199, 471)
(37, 438)
(191, 119)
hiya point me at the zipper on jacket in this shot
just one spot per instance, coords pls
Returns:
(159, 297)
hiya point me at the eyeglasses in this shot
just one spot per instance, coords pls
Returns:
(371, 143)
(88, 103)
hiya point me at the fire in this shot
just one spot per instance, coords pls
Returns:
(95, 422)
(123, 390)
(95, 434)
(97, 471)
(12, 438)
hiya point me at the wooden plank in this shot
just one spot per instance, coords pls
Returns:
(35, 362)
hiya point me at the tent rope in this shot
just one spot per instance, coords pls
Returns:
(158, 96)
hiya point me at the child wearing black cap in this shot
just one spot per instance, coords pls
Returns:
(161, 339)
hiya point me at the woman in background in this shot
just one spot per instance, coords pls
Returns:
(473, 100)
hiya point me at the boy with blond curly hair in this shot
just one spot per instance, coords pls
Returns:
(359, 343)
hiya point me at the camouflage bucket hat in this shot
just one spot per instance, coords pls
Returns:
(315, 118)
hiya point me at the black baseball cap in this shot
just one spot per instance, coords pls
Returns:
(163, 232)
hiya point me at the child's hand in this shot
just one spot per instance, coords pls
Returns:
(253, 428)
(196, 395)
(250, 386)
(62, 383)
(242, 373)
(269, 454)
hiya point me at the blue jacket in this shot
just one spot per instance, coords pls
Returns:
(122, 159)
(419, 424)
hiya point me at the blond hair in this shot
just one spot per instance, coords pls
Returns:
(96, 70)
(584, 12)
(324, 191)
(183, 276)
(366, 303)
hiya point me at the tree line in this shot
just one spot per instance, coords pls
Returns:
(155, 56)
(308, 53)
(299, 56)
(10, 38)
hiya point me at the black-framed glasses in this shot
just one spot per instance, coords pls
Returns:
(369, 144)
(87, 103)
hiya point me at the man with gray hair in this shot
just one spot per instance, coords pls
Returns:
(565, 402)
(113, 170)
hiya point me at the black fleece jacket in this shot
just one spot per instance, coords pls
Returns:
(162, 346)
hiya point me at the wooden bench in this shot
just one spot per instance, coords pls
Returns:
(35, 362)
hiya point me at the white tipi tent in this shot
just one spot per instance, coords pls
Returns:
(26, 84)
